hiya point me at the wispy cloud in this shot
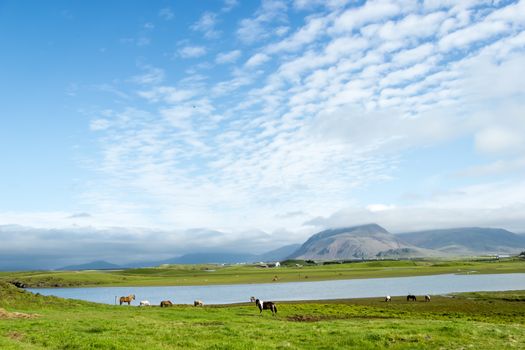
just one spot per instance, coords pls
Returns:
(229, 5)
(323, 118)
(255, 29)
(207, 25)
(228, 57)
(152, 75)
(192, 51)
(166, 14)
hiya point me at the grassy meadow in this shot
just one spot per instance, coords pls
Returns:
(465, 321)
(235, 274)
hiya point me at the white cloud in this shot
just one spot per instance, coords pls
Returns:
(495, 168)
(167, 94)
(255, 28)
(379, 207)
(206, 24)
(228, 57)
(309, 4)
(414, 55)
(229, 5)
(412, 26)
(305, 35)
(257, 60)
(469, 35)
(371, 11)
(166, 13)
(499, 140)
(99, 124)
(345, 97)
(192, 51)
(153, 75)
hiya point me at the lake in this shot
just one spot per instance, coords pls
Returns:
(339, 289)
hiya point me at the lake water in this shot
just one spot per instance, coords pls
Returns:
(340, 289)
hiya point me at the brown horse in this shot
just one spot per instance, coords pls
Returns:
(266, 305)
(127, 299)
(166, 303)
(411, 297)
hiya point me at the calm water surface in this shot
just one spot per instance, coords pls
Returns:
(355, 288)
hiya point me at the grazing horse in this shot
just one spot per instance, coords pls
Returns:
(388, 298)
(252, 299)
(127, 299)
(266, 305)
(166, 303)
(198, 303)
(144, 303)
(411, 297)
(427, 297)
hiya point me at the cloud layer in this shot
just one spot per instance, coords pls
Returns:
(309, 114)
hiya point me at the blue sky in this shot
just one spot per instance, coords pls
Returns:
(270, 119)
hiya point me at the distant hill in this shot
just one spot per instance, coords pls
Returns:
(212, 258)
(233, 257)
(358, 242)
(469, 240)
(95, 265)
(194, 258)
(279, 253)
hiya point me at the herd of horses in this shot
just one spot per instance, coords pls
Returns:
(261, 305)
(410, 297)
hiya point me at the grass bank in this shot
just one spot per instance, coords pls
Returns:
(236, 274)
(473, 320)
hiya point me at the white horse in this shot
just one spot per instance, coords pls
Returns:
(145, 303)
(198, 303)
(427, 297)
(388, 298)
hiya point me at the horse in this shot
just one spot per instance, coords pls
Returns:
(266, 305)
(127, 299)
(411, 297)
(252, 299)
(144, 303)
(198, 303)
(427, 297)
(166, 303)
(388, 298)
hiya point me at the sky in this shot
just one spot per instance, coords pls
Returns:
(252, 124)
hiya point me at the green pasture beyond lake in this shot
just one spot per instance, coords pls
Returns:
(466, 321)
(214, 274)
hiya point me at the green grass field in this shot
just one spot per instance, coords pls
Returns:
(466, 321)
(212, 274)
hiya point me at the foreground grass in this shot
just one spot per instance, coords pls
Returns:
(211, 274)
(473, 320)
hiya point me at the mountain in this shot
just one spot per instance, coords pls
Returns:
(358, 242)
(95, 265)
(469, 240)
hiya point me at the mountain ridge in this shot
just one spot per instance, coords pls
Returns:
(356, 242)
(467, 240)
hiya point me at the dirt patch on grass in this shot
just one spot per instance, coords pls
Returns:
(210, 323)
(14, 335)
(312, 318)
(307, 318)
(4, 314)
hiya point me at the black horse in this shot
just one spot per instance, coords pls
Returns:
(266, 305)
(411, 297)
